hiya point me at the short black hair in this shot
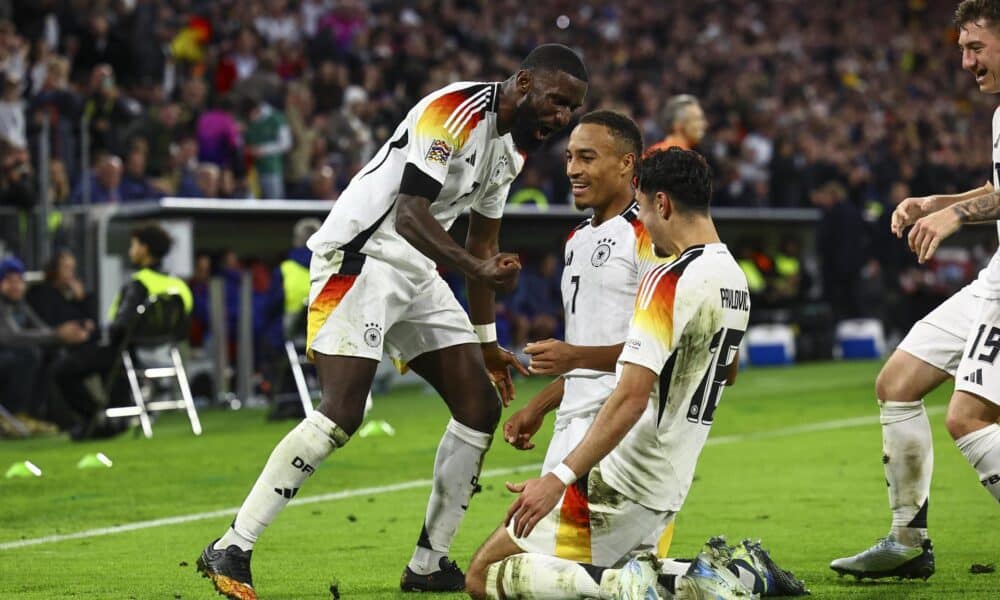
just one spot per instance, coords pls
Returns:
(681, 174)
(970, 11)
(622, 128)
(155, 238)
(555, 57)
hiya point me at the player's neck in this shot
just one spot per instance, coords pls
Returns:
(693, 231)
(506, 105)
(612, 209)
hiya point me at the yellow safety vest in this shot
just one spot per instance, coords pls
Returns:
(296, 283)
(755, 279)
(532, 195)
(158, 284)
(786, 265)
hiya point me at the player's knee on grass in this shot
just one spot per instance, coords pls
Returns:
(968, 413)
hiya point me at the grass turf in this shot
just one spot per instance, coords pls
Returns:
(812, 493)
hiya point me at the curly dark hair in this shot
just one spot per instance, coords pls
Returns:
(155, 238)
(622, 128)
(970, 11)
(681, 174)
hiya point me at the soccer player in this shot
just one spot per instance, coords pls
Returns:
(685, 122)
(604, 259)
(375, 286)
(632, 471)
(959, 339)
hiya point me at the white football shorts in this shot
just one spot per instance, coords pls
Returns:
(359, 305)
(961, 337)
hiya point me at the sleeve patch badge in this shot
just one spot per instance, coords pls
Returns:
(439, 152)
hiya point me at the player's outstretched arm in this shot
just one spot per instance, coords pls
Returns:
(524, 423)
(928, 232)
(555, 357)
(910, 210)
(482, 242)
(618, 415)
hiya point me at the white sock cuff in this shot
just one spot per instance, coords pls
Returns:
(476, 439)
(337, 436)
(976, 444)
(897, 412)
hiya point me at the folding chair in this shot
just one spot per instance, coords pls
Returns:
(295, 343)
(160, 325)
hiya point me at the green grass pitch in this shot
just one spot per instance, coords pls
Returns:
(794, 459)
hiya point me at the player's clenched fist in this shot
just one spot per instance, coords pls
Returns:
(500, 271)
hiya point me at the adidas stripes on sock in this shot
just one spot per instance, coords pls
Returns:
(292, 461)
(456, 477)
(908, 456)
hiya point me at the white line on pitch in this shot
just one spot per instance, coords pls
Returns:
(416, 483)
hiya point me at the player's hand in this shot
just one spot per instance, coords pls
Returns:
(550, 357)
(928, 232)
(537, 498)
(908, 211)
(499, 271)
(519, 428)
(498, 362)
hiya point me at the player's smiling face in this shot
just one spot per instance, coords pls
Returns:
(550, 97)
(598, 171)
(980, 45)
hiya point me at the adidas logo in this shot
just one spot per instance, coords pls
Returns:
(471, 160)
(286, 492)
(975, 377)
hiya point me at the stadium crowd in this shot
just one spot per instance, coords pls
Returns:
(849, 107)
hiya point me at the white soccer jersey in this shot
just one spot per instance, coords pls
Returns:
(451, 137)
(690, 316)
(603, 265)
(987, 284)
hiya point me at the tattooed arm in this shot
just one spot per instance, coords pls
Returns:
(977, 210)
(929, 231)
(909, 210)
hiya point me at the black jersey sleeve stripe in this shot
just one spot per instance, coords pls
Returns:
(395, 145)
(417, 183)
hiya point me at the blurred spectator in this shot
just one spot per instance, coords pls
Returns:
(160, 127)
(61, 297)
(24, 339)
(134, 185)
(61, 105)
(790, 281)
(349, 133)
(109, 112)
(328, 86)
(322, 185)
(684, 121)
(180, 180)
(100, 45)
(299, 111)
(206, 184)
(536, 305)
(267, 139)
(278, 23)
(12, 126)
(288, 294)
(843, 245)
(219, 139)
(17, 186)
(105, 182)
(199, 282)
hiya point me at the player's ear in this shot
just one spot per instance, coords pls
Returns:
(524, 78)
(628, 166)
(664, 206)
